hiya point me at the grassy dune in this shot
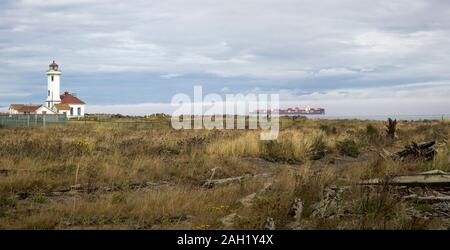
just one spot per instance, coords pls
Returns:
(137, 175)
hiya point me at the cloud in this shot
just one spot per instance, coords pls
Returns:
(411, 99)
(169, 76)
(323, 46)
(131, 109)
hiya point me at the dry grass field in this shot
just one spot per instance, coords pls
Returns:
(92, 175)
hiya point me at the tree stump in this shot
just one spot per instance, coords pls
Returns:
(391, 128)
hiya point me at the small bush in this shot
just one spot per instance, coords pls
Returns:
(117, 199)
(8, 201)
(277, 152)
(83, 147)
(39, 198)
(348, 147)
(372, 135)
(371, 130)
(328, 129)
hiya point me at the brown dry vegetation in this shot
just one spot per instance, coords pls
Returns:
(110, 158)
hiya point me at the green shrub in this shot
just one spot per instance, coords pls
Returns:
(39, 198)
(118, 198)
(277, 152)
(348, 147)
(372, 135)
(371, 130)
(328, 129)
(8, 201)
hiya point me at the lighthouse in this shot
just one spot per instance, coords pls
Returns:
(53, 85)
(67, 104)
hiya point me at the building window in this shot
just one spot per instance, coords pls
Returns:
(49, 93)
(71, 111)
(79, 111)
(44, 112)
(53, 78)
(65, 113)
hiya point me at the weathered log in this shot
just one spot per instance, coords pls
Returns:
(428, 199)
(423, 150)
(430, 178)
(210, 183)
(79, 188)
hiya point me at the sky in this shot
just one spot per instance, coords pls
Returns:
(350, 57)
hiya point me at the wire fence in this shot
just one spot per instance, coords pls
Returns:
(40, 120)
(30, 120)
(133, 124)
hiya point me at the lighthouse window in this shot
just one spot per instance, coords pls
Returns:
(52, 78)
(49, 93)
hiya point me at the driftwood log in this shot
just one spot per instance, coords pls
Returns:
(430, 178)
(212, 182)
(419, 151)
(86, 188)
(428, 199)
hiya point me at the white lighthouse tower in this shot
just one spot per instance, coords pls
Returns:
(53, 82)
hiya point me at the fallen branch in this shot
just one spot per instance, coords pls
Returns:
(212, 182)
(88, 189)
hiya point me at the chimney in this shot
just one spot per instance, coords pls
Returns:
(66, 92)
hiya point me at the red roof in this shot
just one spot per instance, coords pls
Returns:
(68, 98)
(26, 108)
(62, 106)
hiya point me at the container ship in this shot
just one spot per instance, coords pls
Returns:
(292, 111)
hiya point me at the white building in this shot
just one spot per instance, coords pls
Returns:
(70, 105)
(56, 103)
(29, 109)
(53, 84)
